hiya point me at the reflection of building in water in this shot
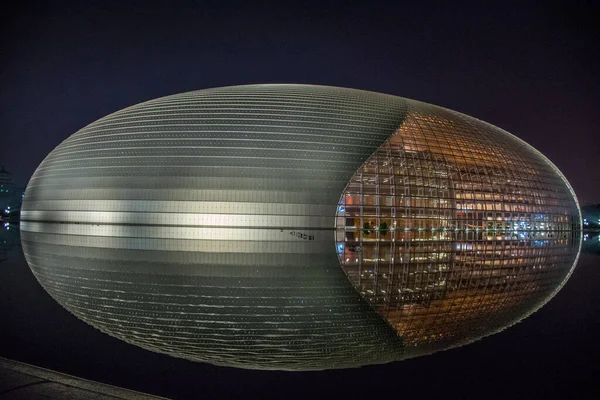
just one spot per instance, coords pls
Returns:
(447, 233)
(205, 225)
(9, 238)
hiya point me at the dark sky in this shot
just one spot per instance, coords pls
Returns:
(532, 70)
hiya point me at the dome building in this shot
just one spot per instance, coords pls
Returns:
(298, 227)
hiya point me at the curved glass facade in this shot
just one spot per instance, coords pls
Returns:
(454, 229)
(297, 227)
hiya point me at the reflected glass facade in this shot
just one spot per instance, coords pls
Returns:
(297, 227)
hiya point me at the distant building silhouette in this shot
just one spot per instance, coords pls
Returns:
(10, 197)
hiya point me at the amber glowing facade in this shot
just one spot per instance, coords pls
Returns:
(454, 227)
(298, 227)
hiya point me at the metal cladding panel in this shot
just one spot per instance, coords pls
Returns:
(202, 225)
(298, 227)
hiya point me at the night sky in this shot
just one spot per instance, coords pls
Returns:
(531, 70)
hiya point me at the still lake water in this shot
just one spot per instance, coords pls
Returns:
(552, 354)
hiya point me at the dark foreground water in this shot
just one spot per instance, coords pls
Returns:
(552, 354)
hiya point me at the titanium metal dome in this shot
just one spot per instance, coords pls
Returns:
(298, 227)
